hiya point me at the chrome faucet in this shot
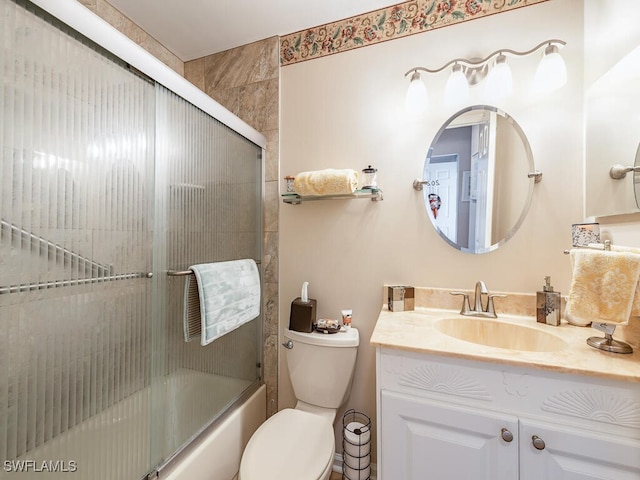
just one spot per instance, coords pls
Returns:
(479, 310)
(481, 289)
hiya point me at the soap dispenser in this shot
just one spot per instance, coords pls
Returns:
(548, 304)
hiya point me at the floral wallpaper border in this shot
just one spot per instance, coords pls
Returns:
(397, 21)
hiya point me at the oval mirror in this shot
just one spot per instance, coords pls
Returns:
(478, 179)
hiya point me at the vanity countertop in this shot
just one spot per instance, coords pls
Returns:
(418, 331)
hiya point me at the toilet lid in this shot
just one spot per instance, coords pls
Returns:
(291, 445)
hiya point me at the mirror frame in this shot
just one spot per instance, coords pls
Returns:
(636, 177)
(532, 174)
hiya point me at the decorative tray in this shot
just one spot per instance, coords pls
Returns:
(326, 325)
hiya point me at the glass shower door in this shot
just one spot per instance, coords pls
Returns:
(208, 209)
(76, 183)
(107, 181)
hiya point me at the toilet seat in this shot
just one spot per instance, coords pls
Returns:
(291, 445)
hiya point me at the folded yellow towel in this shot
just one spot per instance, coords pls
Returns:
(330, 181)
(602, 287)
(635, 308)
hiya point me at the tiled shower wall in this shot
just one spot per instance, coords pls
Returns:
(113, 16)
(246, 81)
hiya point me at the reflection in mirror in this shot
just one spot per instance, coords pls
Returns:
(476, 177)
(636, 177)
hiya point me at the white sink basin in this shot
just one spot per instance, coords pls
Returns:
(494, 333)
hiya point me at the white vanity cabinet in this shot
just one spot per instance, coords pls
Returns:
(424, 439)
(445, 418)
(564, 453)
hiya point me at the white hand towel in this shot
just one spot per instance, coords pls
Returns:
(229, 296)
(602, 287)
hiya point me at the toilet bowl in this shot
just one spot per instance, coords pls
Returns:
(291, 445)
(299, 443)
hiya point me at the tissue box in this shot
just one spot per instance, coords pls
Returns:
(401, 298)
(303, 315)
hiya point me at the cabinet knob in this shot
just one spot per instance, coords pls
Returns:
(538, 443)
(507, 436)
(288, 344)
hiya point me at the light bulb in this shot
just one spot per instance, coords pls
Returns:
(456, 92)
(551, 73)
(499, 81)
(417, 99)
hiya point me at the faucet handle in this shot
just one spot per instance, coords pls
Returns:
(466, 308)
(490, 307)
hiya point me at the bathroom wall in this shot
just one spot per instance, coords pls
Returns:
(347, 111)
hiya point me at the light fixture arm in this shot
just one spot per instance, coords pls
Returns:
(476, 63)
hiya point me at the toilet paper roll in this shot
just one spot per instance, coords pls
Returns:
(356, 451)
(357, 440)
(357, 433)
(354, 474)
(357, 463)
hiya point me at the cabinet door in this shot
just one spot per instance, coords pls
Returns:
(566, 454)
(424, 439)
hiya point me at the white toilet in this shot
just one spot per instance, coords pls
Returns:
(299, 444)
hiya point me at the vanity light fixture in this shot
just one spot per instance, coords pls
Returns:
(456, 91)
(550, 75)
(499, 82)
(417, 98)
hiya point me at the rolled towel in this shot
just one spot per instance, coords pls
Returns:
(603, 286)
(330, 181)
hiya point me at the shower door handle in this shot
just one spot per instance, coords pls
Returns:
(288, 344)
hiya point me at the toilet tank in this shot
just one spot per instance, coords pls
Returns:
(321, 365)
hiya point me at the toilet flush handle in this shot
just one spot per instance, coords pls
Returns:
(288, 344)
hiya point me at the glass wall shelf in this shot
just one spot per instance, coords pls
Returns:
(294, 199)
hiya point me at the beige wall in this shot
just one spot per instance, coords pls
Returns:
(347, 111)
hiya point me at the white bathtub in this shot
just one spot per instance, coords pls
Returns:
(217, 456)
(115, 444)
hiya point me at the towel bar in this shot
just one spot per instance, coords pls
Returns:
(71, 283)
(599, 246)
(179, 273)
(182, 273)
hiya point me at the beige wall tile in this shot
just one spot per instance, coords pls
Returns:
(114, 17)
(194, 72)
(244, 65)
